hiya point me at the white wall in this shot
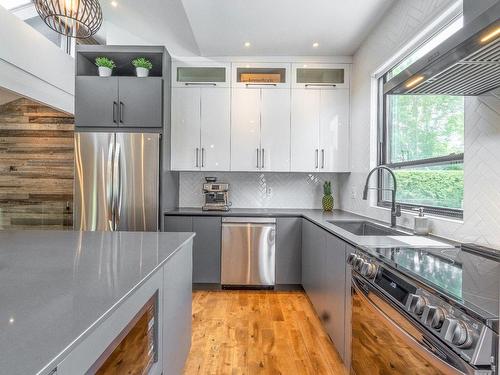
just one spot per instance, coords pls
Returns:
(32, 66)
(481, 222)
(261, 190)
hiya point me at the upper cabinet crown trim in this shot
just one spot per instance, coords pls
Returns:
(260, 75)
(321, 76)
(200, 74)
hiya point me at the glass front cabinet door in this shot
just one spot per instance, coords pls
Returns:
(200, 75)
(320, 76)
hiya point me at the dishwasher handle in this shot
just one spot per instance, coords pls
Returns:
(249, 220)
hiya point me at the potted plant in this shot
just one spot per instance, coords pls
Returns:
(327, 197)
(105, 66)
(142, 66)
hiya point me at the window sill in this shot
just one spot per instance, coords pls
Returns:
(411, 213)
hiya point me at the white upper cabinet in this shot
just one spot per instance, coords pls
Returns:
(260, 75)
(186, 124)
(320, 131)
(275, 130)
(334, 131)
(305, 130)
(192, 74)
(200, 129)
(321, 76)
(260, 130)
(245, 130)
(215, 129)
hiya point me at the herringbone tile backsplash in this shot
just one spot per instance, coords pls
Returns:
(260, 190)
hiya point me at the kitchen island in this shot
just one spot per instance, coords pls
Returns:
(68, 298)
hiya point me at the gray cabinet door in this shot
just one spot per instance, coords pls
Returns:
(288, 250)
(313, 264)
(207, 249)
(178, 224)
(96, 101)
(177, 314)
(335, 284)
(141, 102)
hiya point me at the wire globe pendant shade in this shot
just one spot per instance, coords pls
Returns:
(73, 18)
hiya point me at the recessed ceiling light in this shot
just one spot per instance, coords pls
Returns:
(315, 44)
(114, 3)
(247, 44)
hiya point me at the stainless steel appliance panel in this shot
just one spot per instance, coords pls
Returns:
(385, 341)
(136, 181)
(93, 208)
(248, 251)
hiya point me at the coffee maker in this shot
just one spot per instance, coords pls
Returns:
(216, 195)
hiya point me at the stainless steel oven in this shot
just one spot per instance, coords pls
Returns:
(398, 328)
(384, 341)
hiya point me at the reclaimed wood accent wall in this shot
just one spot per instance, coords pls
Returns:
(36, 166)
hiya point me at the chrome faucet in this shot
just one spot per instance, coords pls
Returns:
(395, 208)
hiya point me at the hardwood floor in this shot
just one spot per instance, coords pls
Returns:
(258, 332)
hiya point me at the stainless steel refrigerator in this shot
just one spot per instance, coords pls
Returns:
(116, 181)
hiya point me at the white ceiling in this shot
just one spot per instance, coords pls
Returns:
(282, 27)
(273, 27)
(158, 22)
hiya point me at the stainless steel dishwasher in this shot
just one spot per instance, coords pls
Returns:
(248, 252)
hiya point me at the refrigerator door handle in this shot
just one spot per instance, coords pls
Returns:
(117, 186)
(109, 186)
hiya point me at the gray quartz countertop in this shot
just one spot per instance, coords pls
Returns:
(321, 218)
(56, 285)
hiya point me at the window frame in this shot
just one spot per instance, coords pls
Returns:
(382, 159)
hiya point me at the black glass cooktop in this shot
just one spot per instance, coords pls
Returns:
(469, 276)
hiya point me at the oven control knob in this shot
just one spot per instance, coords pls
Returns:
(415, 304)
(457, 332)
(358, 263)
(369, 269)
(433, 316)
(351, 258)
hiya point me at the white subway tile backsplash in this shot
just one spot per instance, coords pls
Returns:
(261, 190)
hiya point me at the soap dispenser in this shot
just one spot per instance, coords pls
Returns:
(421, 223)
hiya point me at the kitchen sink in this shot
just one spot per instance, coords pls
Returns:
(366, 228)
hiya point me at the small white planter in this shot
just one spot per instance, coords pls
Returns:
(142, 72)
(104, 71)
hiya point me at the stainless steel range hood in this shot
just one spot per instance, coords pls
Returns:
(467, 63)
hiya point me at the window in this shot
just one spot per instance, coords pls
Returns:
(421, 138)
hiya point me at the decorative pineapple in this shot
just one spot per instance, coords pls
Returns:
(327, 198)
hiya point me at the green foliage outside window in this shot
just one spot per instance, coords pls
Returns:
(423, 127)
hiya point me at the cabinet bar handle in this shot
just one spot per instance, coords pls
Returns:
(262, 161)
(260, 84)
(257, 158)
(320, 85)
(317, 161)
(202, 157)
(323, 158)
(197, 157)
(121, 111)
(115, 107)
(200, 84)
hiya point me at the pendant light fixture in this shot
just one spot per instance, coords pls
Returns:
(72, 18)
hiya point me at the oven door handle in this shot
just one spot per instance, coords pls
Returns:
(426, 345)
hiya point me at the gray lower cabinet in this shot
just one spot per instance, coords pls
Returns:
(177, 313)
(206, 246)
(335, 291)
(323, 278)
(288, 250)
(119, 102)
(313, 262)
(207, 249)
